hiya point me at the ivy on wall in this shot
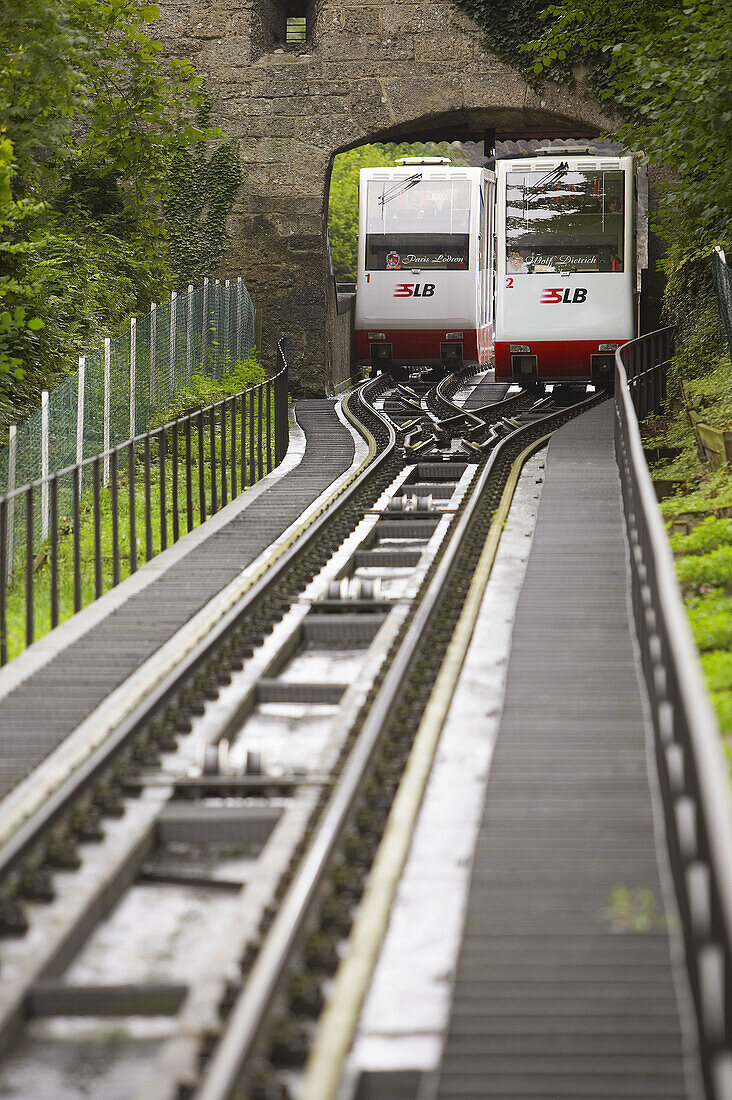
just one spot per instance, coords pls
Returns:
(201, 198)
(507, 25)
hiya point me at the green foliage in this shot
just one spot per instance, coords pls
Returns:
(703, 489)
(710, 618)
(507, 25)
(713, 570)
(709, 535)
(92, 119)
(722, 703)
(202, 391)
(197, 207)
(14, 320)
(343, 198)
(717, 667)
(665, 66)
(704, 554)
(248, 371)
(634, 910)
(711, 493)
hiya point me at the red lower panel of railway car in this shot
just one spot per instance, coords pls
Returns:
(555, 360)
(426, 346)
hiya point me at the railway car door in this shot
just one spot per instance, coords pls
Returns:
(490, 189)
(483, 251)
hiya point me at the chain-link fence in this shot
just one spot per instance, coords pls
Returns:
(101, 526)
(121, 385)
(723, 285)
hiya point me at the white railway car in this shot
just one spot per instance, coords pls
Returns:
(425, 288)
(565, 291)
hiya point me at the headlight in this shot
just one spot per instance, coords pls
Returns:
(608, 347)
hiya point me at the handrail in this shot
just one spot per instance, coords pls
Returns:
(692, 769)
(233, 436)
(153, 432)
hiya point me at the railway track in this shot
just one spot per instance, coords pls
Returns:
(190, 886)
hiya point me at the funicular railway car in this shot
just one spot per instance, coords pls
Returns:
(425, 287)
(565, 292)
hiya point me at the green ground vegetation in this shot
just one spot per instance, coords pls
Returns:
(201, 393)
(698, 512)
(343, 196)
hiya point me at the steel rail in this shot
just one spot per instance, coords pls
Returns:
(248, 1016)
(692, 769)
(56, 805)
(506, 405)
(340, 1016)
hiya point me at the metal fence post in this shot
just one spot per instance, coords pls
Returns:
(12, 467)
(44, 464)
(722, 279)
(107, 444)
(217, 310)
(153, 352)
(189, 335)
(80, 410)
(133, 372)
(204, 326)
(281, 410)
(171, 352)
(239, 339)
(227, 325)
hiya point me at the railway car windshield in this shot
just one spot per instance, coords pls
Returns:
(564, 221)
(417, 223)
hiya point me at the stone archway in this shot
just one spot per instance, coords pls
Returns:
(383, 71)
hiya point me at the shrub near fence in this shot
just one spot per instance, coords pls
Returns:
(73, 533)
(161, 484)
(119, 387)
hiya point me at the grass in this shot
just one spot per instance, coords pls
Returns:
(698, 516)
(202, 391)
(16, 597)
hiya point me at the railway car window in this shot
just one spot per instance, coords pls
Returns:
(425, 225)
(565, 224)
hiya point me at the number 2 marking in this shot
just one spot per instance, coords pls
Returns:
(509, 283)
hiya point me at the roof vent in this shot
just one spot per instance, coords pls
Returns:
(409, 161)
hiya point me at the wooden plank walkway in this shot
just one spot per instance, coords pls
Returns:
(565, 984)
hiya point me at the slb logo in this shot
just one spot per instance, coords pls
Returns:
(414, 290)
(564, 294)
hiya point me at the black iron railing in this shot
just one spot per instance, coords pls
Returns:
(693, 774)
(102, 515)
(645, 362)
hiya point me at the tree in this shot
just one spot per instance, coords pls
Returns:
(94, 118)
(666, 66)
(14, 321)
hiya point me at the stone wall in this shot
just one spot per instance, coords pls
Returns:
(370, 71)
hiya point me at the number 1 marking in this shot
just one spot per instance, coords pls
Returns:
(368, 277)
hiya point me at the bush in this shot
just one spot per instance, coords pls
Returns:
(713, 570)
(203, 391)
(709, 535)
(710, 618)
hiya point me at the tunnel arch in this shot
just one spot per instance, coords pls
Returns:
(386, 71)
